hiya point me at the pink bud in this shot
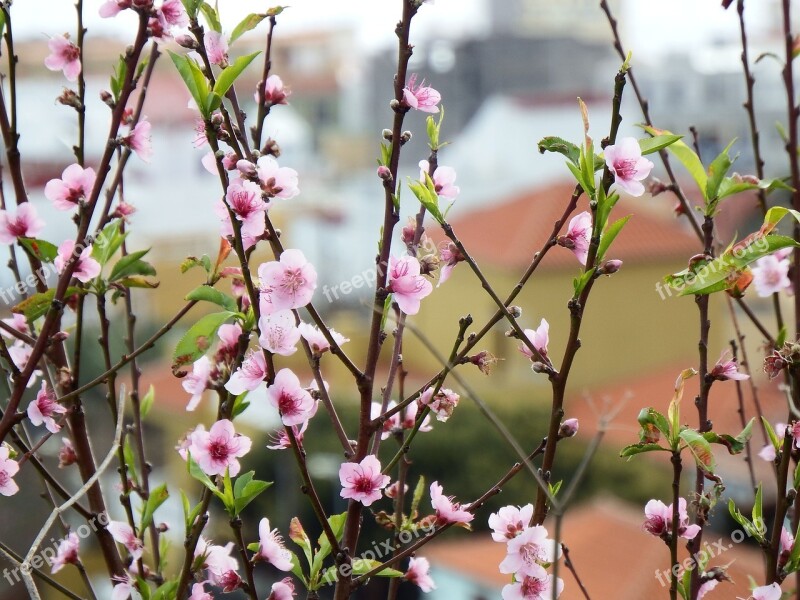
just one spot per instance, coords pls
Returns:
(384, 173)
(568, 428)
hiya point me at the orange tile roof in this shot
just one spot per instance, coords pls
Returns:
(612, 555)
(508, 232)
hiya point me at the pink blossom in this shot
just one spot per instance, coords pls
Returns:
(274, 91)
(288, 283)
(279, 333)
(406, 284)
(767, 592)
(8, 468)
(410, 419)
(228, 335)
(443, 179)
(249, 376)
(280, 439)
(67, 553)
(770, 275)
(244, 199)
(186, 442)
(293, 402)
(173, 13)
(199, 592)
(218, 449)
(111, 8)
(20, 354)
(139, 140)
(195, 383)
(527, 551)
(276, 181)
(768, 452)
(419, 573)
(658, 520)
(26, 223)
(76, 184)
(624, 159)
(578, 237)
(216, 48)
(124, 588)
(125, 535)
(539, 338)
(363, 481)
(538, 587)
(17, 322)
(86, 269)
(393, 489)
(43, 408)
(317, 340)
(510, 521)
(217, 560)
(64, 56)
(66, 454)
(706, 587)
(271, 548)
(448, 511)
(449, 257)
(282, 590)
(391, 424)
(727, 369)
(420, 96)
(442, 404)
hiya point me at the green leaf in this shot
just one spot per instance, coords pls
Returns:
(147, 402)
(730, 186)
(197, 473)
(298, 535)
(658, 142)
(700, 449)
(131, 264)
(386, 154)
(579, 283)
(717, 170)
(135, 281)
(191, 7)
(230, 73)
(194, 79)
(650, 417)
(757, 514)
(588, 188)
(41, 249)
(212, 16)
(337, 526)
(560, 146)
(196, 342)
(772, 435)
(362, 566)
(189, 514)
(157, 497)
(130, 461)
(674, 410)
(165, 591)
(248, 492)
(37, 305)
(107, 243)
(748, 527)
(686, 156)
(206, 293)
(249, 23)
(276, 10)
(735, 445)
(611, 232)
(428, 199)
(419, 492)
(641, 448)
(192, 261)
(118, 77)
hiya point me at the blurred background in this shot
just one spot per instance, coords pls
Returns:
(509, 73)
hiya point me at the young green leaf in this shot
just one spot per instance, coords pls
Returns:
(206, 293)
(41, 249)
(249, 23)
(658, 142)
(230, 73)
(196, 342)
(157, 497)
(686, 156)
(194, 79)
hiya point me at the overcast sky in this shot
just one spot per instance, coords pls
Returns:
(651, 27)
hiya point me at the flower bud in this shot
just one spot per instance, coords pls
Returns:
(186, 41)
(384, 173)
(394, 104)
(610, 266)
(69, 98)
(405, 137)
(246, 168)
(271, 148)
(568, 428)
(107, 98)
(515, 311)
(538, 367)
(387, 134)
(428, 264)
(409, 230)
(66, 455)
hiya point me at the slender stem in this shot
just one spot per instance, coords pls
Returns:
(748, 453)
(236, 525)
(571, 567)
(673, 535)
(263, 109)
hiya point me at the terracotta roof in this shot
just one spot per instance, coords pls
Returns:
(625, 399)
(507, 233)
(612, 555)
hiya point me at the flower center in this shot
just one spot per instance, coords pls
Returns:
(293, 280)
(363, 484)
(218, 451)
(625, 168)
(532, 587)
(287, 404)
